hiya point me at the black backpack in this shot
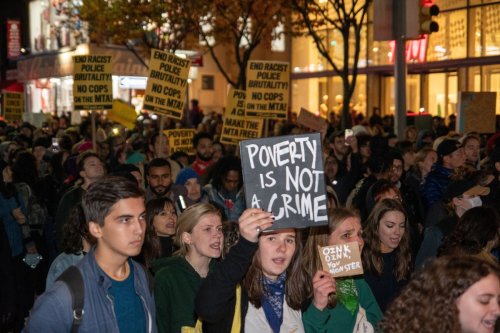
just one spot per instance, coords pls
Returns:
(74, 280)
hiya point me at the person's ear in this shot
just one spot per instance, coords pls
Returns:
(82, 174)
(455, 201)
(95, 229)
(186, 238)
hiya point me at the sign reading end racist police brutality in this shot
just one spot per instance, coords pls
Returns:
(92, 82)
(167, 81)
(341, 260)
(13, 105)
(284, 175)
(268, 86)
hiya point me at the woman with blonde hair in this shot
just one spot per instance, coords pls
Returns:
(452, 294)
(200, 239)
(386, 255)
(336, 304)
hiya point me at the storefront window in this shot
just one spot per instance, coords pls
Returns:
(442, 94)
(450, 4)
(412, 94)
(450, 42)
(486, 41)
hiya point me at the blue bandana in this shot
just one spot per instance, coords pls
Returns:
(272, 300)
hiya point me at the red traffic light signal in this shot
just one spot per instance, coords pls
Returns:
(427, 25)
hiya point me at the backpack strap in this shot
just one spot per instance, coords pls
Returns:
(74, 280)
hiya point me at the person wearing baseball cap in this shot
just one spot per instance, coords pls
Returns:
(450, 158)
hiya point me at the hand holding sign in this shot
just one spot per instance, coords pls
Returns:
(323, 286)
(252, 222)
(342, 259)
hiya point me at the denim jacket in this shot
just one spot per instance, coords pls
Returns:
(52, 311)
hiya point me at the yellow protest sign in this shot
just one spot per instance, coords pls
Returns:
(268, 86)
(123, 114)
(180, 140)
(167, 81)
(92, 82)
(13, 105)
(235, 103)
(235, 129)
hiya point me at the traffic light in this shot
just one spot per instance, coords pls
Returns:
(426, 13)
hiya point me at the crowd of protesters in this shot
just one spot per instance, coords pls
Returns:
(434, 193)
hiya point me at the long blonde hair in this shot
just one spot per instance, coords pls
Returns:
(188, 220)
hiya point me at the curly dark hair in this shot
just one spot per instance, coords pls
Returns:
(428, 302)
(223, 166)
(75, 230)
(372, 255)
(475, 229)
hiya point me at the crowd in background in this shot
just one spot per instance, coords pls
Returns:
(434, 193)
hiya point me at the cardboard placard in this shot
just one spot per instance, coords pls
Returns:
(166, 88)
(341, 260)
(284, 175)
(312, 121)
(123, 114)
(236, 129)
(13, 105)
(235, 103)
(476, 112)
(180, 140)
(92, 82)
(268, 87)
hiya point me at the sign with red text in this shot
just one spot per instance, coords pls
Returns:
(13, 39)
(341, 260)
(167, 83)
(284, 175)
(268, 85)
(92, 82)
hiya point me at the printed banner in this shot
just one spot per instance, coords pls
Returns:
(92, 82)
(341, 260)
(13, 105)
(236, 129)
(268, 86)
(180, 140)
(167, 82)
(284, 175)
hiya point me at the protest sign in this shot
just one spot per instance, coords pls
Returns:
(13, 105)
(123, 114)
(268, 85)
(341, 260)
(284, 175)
(180, 140)
(476, 112)
(235, 129)
(235, 103)
(167, 82)
(310, 120)
(92, 82)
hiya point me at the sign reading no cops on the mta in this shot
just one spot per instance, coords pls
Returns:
(167, 82)
(92, 82)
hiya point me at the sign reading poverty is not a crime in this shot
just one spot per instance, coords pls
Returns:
(92, 82)
(236, 129)
(268, 86)
(180, 140)
(167, 81)
(235, 103)
(284, 175)
(13, 105)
